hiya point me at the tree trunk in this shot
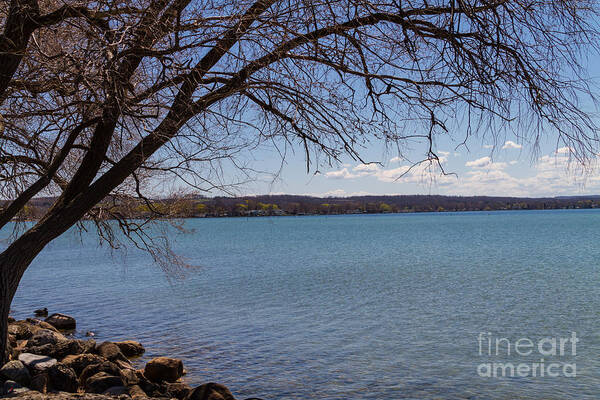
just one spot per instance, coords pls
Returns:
(5, 300)
(13, 263)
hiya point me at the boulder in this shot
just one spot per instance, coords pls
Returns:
(80, 361)
(16, 371)
(11, 320)
(124, 364)
(12, 340)
(115, 391)
(110, 351)
(131, 348)
(20, 330)
(39, 383)
(61, 349)
(129, 377)
(62, 378)
(210, 391)
(178, 390)
(105, 366)
(164, 369)
(102, 381)
(36, 362)
(137, 393)
(62, 322)
(41, 324)
(45, 336)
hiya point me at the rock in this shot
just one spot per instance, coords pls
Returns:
(31, 395)
(147, 386)
(20, 330)
(102, 381)
(39, 383)
(41, 324)
(61, 349)
(129, 377)
(124, 365)
(115, 391)
(131, 348)
(137, 393)
(62, 378)
(110, 351)
(42, 312)
(80, 361)
(45, 336)
(164, 369)
(62, 322)
(105, 366)
(16, 371)
(178, 390)
(210, 391)
(12, 340)
(11, 320)
(36, 362)
(90, 334)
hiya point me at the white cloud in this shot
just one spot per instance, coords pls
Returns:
(563, 150)
(395, 159)
(488, 146)
(392, 175)
(366, 168)
(509, 144)
(479, 163)
(553, 174)
(341, 174)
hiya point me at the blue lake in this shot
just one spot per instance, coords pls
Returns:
(347, 307)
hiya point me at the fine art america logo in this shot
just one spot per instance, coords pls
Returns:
(544, 351)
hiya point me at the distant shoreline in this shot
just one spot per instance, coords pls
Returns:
(280, 213)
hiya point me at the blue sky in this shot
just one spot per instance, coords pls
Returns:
(508, 168)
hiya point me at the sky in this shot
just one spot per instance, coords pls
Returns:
(482, 166)
(508, 168)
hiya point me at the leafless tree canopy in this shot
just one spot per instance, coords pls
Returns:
(98, 98)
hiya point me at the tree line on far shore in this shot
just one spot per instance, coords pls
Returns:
(279, 205)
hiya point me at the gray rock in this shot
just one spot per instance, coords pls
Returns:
(16, 371)
(36, 362)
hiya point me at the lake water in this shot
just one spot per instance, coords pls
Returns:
(348, 307)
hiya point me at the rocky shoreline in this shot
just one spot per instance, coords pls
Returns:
(46, 363)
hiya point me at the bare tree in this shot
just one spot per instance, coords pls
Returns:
(98, 99)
